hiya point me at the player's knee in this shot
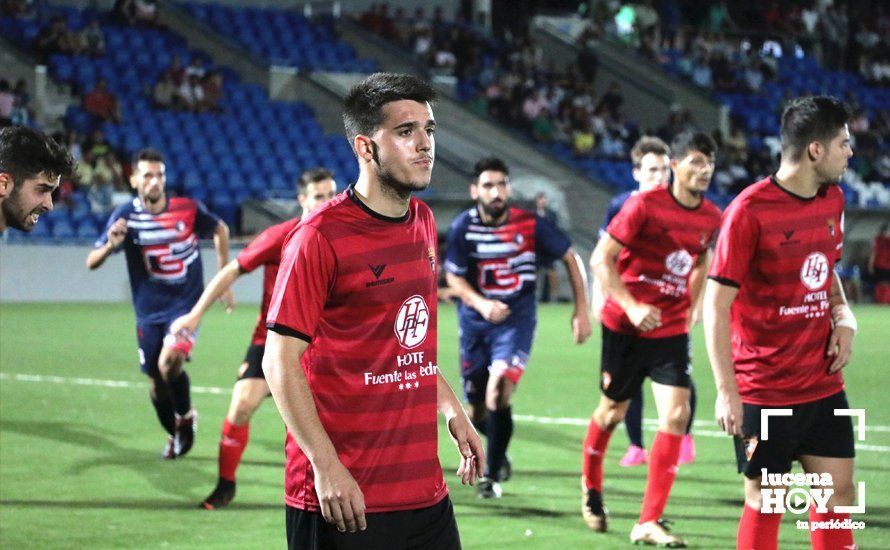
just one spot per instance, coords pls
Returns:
(844, 494)
(609, 414)
(676, 419)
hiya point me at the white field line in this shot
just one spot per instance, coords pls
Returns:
(650, 423)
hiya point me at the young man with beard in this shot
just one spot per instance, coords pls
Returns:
(651, 158)
(651, 262)
(494, 250)
(31, 165)
(351, 354)
(778, 326)
(159, 236)
(315, 187)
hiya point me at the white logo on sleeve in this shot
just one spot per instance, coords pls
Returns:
(814, 271)
(679, 263)
(412, 322)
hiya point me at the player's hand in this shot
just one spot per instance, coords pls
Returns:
(189, 322)
(493, 311)
(728, 411)
(840, 345)
(469, 445)
(580, 327)
(116, 233)
(695, 316)
(644, 316)
(341, 499)
(227, 298)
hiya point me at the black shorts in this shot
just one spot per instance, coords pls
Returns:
(812, 429)
(432, 528)
(252, 367)
(627, 360)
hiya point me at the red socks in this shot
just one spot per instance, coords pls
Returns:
(830, 539)
(231, 447)
(758, 531)
(663, 457)
(594, 451)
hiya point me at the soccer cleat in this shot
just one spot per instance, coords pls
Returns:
(592, 510)
(506, 469)
(221, 496)
(687, 450)
(634, 456)
(186, 426)
(656, 533)
(169, 450)
(488, 488)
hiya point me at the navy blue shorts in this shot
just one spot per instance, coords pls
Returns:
(502, 350)
(153, 337)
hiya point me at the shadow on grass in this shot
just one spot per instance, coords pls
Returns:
(153, 504)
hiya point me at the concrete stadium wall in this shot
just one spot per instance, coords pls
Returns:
(45, 273)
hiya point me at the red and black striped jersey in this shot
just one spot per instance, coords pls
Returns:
(779, 250)
(361, 289)
(662, 242)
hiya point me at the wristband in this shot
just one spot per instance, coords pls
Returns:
(842, 316)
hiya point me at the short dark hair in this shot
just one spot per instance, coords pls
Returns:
(25, 153)
(147, 154)
(363, 106)
(685, 142)
(313, 175)
(489, 163)
(646, 145)
(809, 119)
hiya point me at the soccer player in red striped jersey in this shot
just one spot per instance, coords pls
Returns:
(315, 187)
(777, 324)
(351, 354)
(651, 261)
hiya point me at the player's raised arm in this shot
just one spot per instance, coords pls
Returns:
(340, 497)
(217, 287)
(493, 311)
(114, 237)
(469, 444)
(605, 265)
(221, 243)
(718, 299)
(578, 282)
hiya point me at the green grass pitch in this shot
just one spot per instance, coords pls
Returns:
(79, 443)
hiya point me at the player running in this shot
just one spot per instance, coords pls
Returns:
(778, 326)
(492, 259)
(651, 169)
(159, 236)
(316, 187)
(651, 262)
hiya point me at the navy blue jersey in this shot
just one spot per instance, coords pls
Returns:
(500, 262)
(163, 256)
(614, 207)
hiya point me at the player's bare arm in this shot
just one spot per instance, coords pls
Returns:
(469, 445)
(116, 234)
(718, 299)
(578, 281)
(220, 283)
(840, 345)
(221, 243)
(696, 286)
(341, 499)
(597, 294)
(493, 311)
(605, 264)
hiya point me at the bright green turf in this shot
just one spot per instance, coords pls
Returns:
(79, 464)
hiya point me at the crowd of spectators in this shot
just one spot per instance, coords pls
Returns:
(191, 88)
(15, 103)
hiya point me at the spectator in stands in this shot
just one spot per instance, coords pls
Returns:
(196, 68)
(72, 141)
(583, 139)
(444, 60)
(543, 129)
(124, 12)
(212, 89)
(146, 12)
(190, 95)
(7, 103)
(96, 145)
(93, 39)
(164, 94)
(102, 103)
(879, 265)
(101, 176)
(175, 72)
(55, 38)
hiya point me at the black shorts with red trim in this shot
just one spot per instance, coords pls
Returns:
(252, 367)
(812, 429)
(431, 528)
(627, 360)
